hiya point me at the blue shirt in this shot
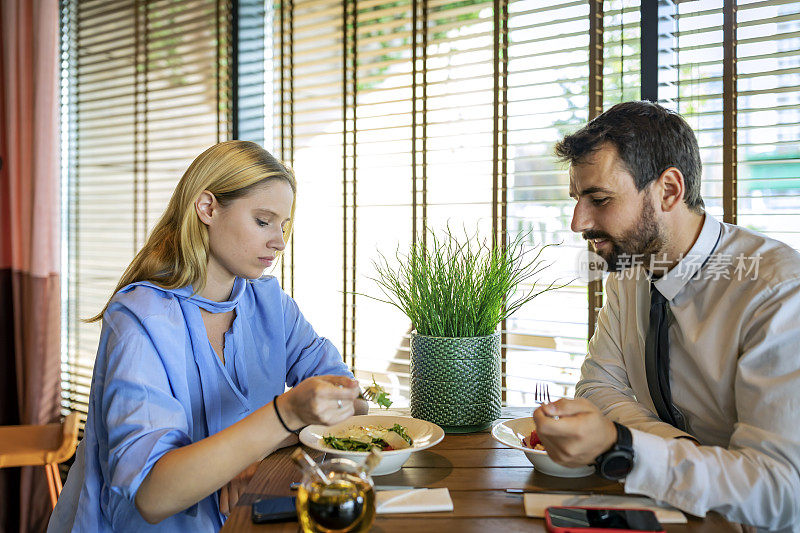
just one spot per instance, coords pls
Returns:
(158, 385)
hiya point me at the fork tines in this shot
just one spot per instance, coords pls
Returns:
(541, 393)
(368, 395)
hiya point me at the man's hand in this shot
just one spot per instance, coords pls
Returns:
(230, 493)
(580, 434)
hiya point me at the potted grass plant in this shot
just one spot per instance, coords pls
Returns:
(456, 292)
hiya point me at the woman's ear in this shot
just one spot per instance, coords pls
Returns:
(205, 206)
(673, 189)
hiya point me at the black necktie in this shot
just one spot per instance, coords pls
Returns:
(657, 360)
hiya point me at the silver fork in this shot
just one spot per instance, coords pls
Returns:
(541, 395)
(366, 394)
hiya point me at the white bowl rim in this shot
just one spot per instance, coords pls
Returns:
(311, 435)
(496, 437)
(549, 466)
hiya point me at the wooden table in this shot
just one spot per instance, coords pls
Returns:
(477, 470)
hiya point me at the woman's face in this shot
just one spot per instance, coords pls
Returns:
(245, 235)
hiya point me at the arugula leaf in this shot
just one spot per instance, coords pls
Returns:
(383, 400)
(352, 445)
(400, 430)
(381, 396)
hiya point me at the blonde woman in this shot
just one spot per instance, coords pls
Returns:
(195, 353)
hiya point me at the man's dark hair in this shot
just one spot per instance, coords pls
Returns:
(649, 139)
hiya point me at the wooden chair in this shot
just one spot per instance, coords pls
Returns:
(47, 445)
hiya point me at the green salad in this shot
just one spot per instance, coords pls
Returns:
(364, 438)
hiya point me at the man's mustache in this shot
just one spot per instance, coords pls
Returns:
(593, 234)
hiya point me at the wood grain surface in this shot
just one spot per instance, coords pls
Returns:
(474, 467)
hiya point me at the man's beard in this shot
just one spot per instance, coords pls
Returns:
(642, 240)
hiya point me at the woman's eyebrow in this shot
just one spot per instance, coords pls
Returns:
(268, 212)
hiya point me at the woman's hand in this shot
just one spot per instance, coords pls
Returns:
(319, 400)
(230, 493)
(361, 407)
(209, 464)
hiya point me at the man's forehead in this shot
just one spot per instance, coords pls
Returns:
(602, 171)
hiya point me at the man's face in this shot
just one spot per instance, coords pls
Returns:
(610, 213)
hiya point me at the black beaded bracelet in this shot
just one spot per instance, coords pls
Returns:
(280, 419)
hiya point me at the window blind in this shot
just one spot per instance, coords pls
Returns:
(308, 134)
(767, 91)
(381, 95)
(410, 115)
(768, 64)
(548, 97)
(147, 88)
(692, 84)
(399, 116)
(622, 51)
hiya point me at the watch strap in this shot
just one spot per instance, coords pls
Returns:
(624, 437)
(622, 450)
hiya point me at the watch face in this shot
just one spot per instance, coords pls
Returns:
(617, 465)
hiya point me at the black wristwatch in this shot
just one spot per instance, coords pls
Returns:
(617, 462)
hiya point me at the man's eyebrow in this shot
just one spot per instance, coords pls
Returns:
(591, 190)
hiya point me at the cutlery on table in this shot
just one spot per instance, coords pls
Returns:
(541, 395)
(543, 491)
(296, 484)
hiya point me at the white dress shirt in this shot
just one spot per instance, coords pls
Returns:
(734, 374)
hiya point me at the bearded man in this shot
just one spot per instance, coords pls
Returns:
(690, 392)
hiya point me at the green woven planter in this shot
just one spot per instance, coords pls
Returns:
(455, 381)
(433, 391)
(435, 369)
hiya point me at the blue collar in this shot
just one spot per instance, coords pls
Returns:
(187, 294)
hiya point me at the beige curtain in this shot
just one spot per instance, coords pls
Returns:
(29, 243)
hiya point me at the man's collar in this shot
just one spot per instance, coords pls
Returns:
(671, 283)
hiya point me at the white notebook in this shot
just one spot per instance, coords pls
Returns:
(413, 501)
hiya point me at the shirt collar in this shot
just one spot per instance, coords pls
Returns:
(218, 307)
(671, 283)
(187, 293)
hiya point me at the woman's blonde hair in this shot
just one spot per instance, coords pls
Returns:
(176, 252)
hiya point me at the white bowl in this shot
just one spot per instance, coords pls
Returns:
(423, 434)
(510, 433)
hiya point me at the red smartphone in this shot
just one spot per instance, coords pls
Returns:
(600, 520)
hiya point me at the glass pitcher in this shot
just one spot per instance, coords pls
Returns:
(342, 502)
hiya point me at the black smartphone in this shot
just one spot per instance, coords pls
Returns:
(567, 519)
(280, 509)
